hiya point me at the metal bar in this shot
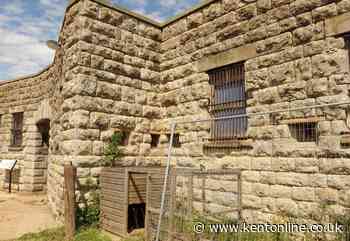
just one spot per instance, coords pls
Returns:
(239, 189)
(173, 126)
(10, 180)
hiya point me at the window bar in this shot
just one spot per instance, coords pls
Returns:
(223, 125)
(214, 107)
(231, 99)
(239, 110)
(222, 78)
(217, 91)
(236, 97)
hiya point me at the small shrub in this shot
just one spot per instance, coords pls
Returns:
(112, 153)
(89, 214)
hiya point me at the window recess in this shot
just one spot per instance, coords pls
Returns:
(17, 130)
(228, 98)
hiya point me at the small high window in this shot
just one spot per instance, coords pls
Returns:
(304, 132)
(155, 140)
(228, 98)
(347, 45)
(17, 130)
(125, 138)
(176, 140)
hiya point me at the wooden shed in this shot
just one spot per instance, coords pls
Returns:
(127, 196)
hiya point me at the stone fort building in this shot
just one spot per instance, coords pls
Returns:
(115, 70)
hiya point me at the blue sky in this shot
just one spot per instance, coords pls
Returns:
(25, 25)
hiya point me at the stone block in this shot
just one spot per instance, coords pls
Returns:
(324, 12)
(326, 195)
(263, 5)
(280, 191)
(303, 194)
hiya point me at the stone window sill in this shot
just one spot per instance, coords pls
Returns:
(15, 148)
(238, 144)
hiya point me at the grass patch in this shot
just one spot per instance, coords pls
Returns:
(88, 234)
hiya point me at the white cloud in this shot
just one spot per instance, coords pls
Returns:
(24, 54)
(23, 34)
(15, 7)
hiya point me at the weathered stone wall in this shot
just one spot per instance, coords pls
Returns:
(111, 85)
(291, 60)
(30, 96)
(116, 71)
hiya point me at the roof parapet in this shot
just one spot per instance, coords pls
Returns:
(107, 3)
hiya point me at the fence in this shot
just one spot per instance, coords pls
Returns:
(294, 160)
(191, 196)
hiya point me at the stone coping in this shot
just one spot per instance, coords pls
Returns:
(141, 17)
(3, 82)
(128, 12)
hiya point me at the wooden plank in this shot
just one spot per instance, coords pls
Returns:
(107, 177)
(118, 201)
(113, 230)
(111, 224)
(109, 192)
(113, 211)
(70, 174)
(106, 188)
(147, 217)
(112, 187)
(112, 180)
(137, 188)
(114, 218)
(109, 204)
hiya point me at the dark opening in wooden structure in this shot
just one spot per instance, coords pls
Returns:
(136, 216)
(126, 196)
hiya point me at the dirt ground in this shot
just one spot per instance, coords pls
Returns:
(24, 213)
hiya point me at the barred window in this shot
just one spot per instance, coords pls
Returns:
(228, 98)
(176, 140)
(17, 129)
(347, 45)
(304, 132)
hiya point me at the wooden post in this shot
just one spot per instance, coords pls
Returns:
(70, 173)
(148, 206)
(10, 180)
